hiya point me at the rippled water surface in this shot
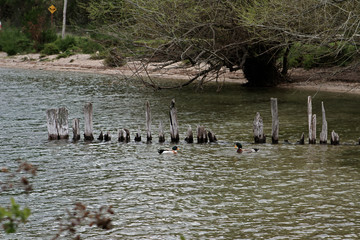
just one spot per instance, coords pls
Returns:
(207, 191)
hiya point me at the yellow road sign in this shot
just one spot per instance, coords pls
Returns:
(52, 9)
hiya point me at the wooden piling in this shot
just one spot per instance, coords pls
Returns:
(101, 136)
(311, 122)
(323, 134)
(212, 137)
(275, 121)
(88, 121)
(57, 123)
(161, 133)
(313, 130)
(138, 135)
(76, 129)
(174, 131)
(52, 124)
(189, 135)
(258, 129)
(335, 139)
(63, 123)
(202, 136)
(107, 137)
(148, 122)
(124, 135)
(302, 139)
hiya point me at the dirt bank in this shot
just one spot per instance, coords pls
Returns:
(320, 79)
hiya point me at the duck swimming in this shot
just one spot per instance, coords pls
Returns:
(241, 150)
(172, 151)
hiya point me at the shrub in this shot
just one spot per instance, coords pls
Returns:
(66, 43)
(50, 49)
(13, 41)
(89, 46)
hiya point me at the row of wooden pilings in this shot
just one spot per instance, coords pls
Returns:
(260, 137)
(57, 125)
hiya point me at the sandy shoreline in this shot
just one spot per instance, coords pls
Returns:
(309, 80)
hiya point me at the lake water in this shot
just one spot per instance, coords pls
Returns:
(206, 191)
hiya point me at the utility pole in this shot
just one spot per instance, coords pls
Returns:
(64, 20)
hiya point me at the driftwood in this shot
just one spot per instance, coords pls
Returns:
(212, 137)
(335, 139)
(57, 123)
(259, 136)
(174, 125)
(88, 121)
(124, 135)
(138, 135)
(76, 129)
(311, 122)
(275, 121)
(148, 122)
(201, 135)
(161, 133)
(323, 134)
(189, 135)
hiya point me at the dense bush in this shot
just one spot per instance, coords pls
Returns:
(311, 56)
(66, 43)
(50, 49)
(13, 41)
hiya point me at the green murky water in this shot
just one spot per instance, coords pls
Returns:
(207, 191)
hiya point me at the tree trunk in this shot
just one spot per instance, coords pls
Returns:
(261, 72)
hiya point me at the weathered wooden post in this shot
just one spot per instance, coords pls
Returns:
(189, 135)
(76, 129)
(323, 134)
(124, 135)
(101, 136)
(201, 135)
(57, 123)
(138, 135)
(275, 121)
(335, 139)
(311, 122)
(161, 133)
(302, 139)
(148, 122)
(63, 123)
(212, 137)
(107, 137)
(174, 125)
(259, 136)
(52, 122)
(88, 116)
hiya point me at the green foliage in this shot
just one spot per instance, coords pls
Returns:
(311, 56)
(12, 216)
(89, 46)
(50, 49)
(66, 43)
(13, 41)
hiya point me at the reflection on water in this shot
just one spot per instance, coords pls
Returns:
(206, 191)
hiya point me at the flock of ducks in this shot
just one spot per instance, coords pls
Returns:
(174, 149)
